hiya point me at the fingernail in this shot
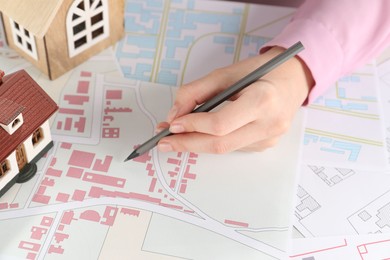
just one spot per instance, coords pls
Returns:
(172, 113)
(164, 147)
(158, 130)
(176, 129)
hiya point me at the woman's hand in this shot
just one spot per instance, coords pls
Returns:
(253, 120)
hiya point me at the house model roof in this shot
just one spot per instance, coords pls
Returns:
(9, 110)
(20, 89)
(35, 16)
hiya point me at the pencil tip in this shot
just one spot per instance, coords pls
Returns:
(132, 156)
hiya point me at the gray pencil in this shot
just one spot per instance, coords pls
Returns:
(225, 95)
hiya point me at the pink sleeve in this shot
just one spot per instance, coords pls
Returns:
(338, 36)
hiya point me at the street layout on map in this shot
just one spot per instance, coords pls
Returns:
(342, 211)
(159, 205)
(334, 200)
(85, 182)
(175, 204)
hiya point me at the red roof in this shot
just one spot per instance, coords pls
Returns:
(22, 91)
(9, 110)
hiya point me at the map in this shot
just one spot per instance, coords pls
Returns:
(334, 200)
(345, 125)
(159, 205)
(84, 185)
(173, 42)
(365, 247)
(327, 176)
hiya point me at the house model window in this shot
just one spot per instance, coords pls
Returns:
(37, 136)
(11, 117)
(15, 123)
(86, 24)
(24, 40)
(4, 168)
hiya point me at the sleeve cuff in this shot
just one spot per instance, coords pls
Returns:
(322, 54)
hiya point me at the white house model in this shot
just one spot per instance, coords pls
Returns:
(25, 135)
(58, 35)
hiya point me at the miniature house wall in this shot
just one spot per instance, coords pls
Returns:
(58, 35)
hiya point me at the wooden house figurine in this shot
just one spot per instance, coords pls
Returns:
(25, 136)
(58, 35)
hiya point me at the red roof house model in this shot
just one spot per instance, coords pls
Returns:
(24, 112)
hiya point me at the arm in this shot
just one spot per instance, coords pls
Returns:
(253, 120)
(336, 38)
(338, 35)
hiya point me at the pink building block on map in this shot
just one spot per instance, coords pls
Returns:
(62, 197)
(68, 124)
(101, 166)
(171, 206)
(144, 197)
(130, 212)
(193, 155)
(189, 175)
(38, 232)
(143, 158)
(48, 182)
(152, 185)
(172, 174)
(31, 256)
(74, 172)
(56, 249)
(172, 184)
(236, 223)
(52, 172)
(40, 198)
(85, 74)
(46, 221)
(80, 125)
(83, 87)
(71, 111)
(61, 227)
(66, 146)
(104, 179)
(81, 159)
(78, 195)
(111, 132)
(95, 192)
(173, 161)
(13, 205)
(149, 168)
(90, 215)
(53, 161)
(191, 161)
(67, 217)
(76, 99)
(4, 205)
(41, 190)
(110, 215)
(114, 94)
(29, 246)
(183, 188)
(59, 237)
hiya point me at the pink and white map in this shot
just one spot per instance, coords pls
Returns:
(84, 194)
(86, 203)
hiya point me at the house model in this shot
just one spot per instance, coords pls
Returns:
(58, 35)
(25, 136)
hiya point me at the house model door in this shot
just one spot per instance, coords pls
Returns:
(21, 157)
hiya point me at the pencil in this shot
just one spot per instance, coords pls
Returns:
(225, 95)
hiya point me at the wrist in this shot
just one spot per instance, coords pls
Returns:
(294, 73)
